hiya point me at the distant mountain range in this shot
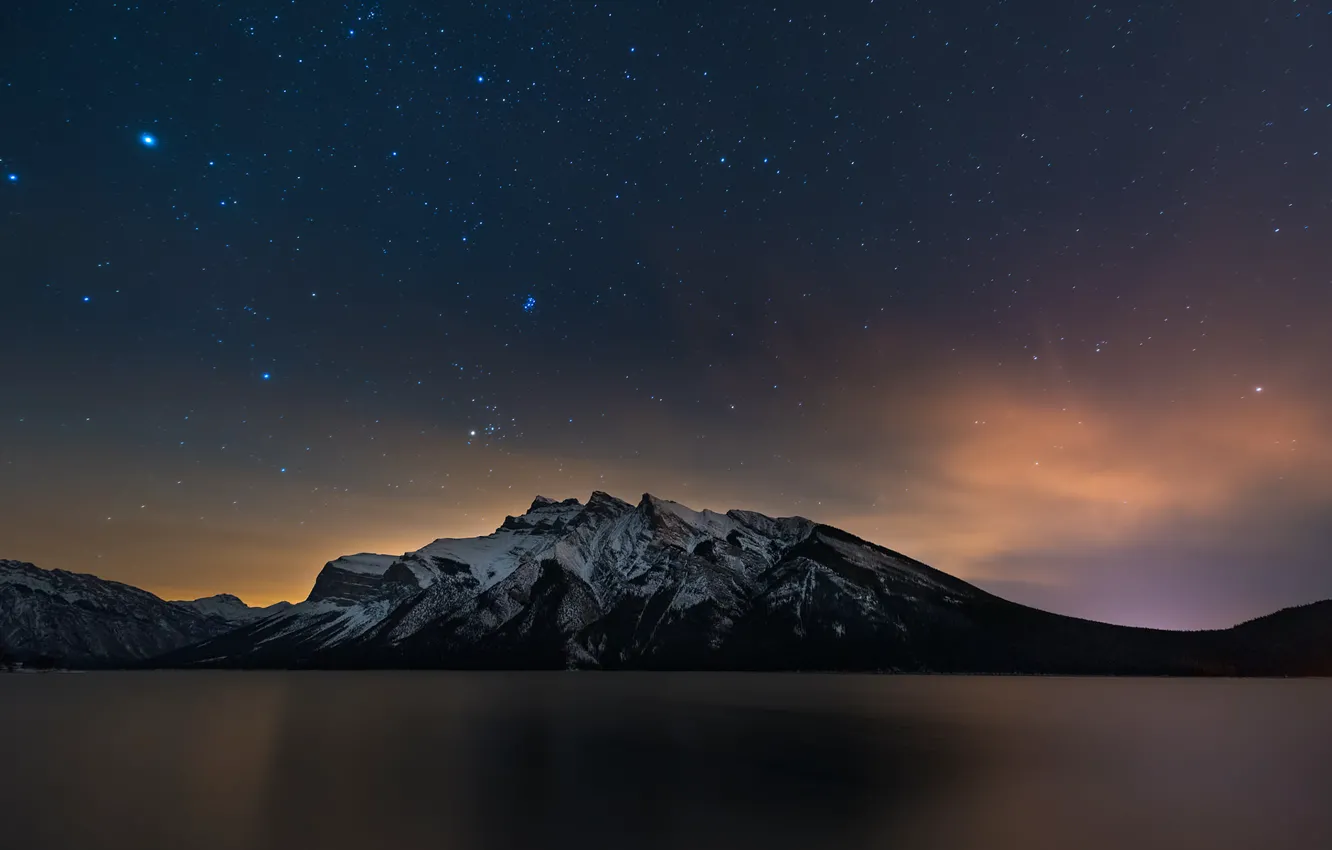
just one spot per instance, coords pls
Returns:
(79, 620)
(612, 585)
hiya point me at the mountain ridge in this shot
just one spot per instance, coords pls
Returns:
(657, 585)
(79, 619)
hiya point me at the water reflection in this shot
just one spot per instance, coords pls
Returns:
(266, 760)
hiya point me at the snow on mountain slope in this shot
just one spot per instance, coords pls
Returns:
(356, 594)
(606, 553)
(493, 557)
(364, 563)
(351, 596)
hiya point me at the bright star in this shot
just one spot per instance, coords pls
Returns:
(480, 79)
(13, 178)
(265, 376)
(86, 299)
(1258, 389)
(148, 140)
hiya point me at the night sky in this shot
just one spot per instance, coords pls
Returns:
(1037, 292)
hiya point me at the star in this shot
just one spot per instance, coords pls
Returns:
(148, 140)
(13, 178)
(265, 376)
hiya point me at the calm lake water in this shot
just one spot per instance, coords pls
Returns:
(443, 760)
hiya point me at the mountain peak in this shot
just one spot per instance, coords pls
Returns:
(600, 498)
(545, 512)
(655, 504)
(227, 598)
(664, 514)
(230, 608)
(541, 502)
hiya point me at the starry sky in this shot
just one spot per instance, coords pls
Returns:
(1037, 292)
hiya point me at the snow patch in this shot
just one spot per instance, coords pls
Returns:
(365, 563)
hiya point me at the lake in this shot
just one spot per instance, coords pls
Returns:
(222, 760)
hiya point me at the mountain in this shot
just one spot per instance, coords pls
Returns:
(230, 610)
(1295, 641)
(656, 585)
(79, 620)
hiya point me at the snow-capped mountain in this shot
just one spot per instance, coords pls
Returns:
(74, 619)
(657, 585)
(652, 585)
(230, 609)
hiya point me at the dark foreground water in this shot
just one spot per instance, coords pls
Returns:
(440, 760)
